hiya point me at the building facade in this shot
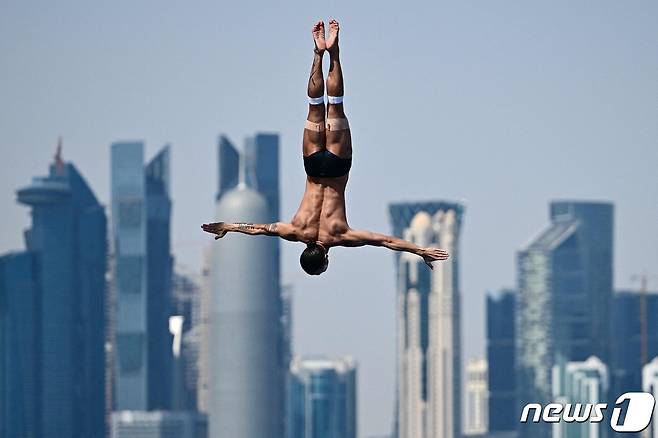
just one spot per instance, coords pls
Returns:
(53, 297)
(141, 212)
(500, 312)
(577, 385)
(202, 332)
(564, 297)
(186, 297)
(429, 345)
(159, 424)
(322, 399)
(477, 395)
(650, 385)
(247, 342)
(20, 345)
(627, 338)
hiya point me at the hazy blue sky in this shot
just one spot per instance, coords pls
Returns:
(503, 105)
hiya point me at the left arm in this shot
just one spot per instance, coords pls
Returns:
(361, 238)
(279, 229)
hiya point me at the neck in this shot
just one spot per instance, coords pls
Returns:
(320, 244)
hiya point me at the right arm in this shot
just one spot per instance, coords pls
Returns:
(360, 238)
(280, 229)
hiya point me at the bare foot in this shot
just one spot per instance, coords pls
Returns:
(332, 41)
(318, 37)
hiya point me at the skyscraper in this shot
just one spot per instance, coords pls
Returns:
(159, 424)
(626, 355)
(586, 382)
(262, 167)
(650, 385)
(3, 355)
(141, 211)
(286, 324)
(322, 399)
(202, 315)
(20, 346)
(247, 351)
(429, 346)
(564, 294)
(500, 359)
(228, 166)
(477, 388)
(53, 296)
(186, 296)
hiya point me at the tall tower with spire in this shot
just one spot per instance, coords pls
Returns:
(247, 351)
(52, 308)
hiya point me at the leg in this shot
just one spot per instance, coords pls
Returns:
(314, 135)
(339, 139)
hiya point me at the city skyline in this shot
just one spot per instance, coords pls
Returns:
(589, 222)
(526, 103)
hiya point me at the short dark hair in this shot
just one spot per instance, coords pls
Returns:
(313, 259)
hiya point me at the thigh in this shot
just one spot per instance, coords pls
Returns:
(313, 140)
(340, 143)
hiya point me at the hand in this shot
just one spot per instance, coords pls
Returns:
(218, 228)
(433, 254)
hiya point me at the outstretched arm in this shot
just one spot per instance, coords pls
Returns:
(279, 229)
(361, 238)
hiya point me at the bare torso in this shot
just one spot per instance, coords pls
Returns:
(321, 216)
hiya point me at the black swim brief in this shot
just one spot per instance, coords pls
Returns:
(324, 164)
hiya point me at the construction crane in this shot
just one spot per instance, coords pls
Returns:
(644, 323)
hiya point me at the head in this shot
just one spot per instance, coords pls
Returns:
(314, 259)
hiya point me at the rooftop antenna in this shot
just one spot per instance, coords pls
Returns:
(59, 163)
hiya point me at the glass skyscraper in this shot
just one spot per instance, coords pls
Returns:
(650, 385)
(500, 358)
(429, 344)
(53, 319)
(186, 296)
(141, 212)
(322, 399)
(262, 167)
(564, 297)
(20, 346)
(626, 355)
